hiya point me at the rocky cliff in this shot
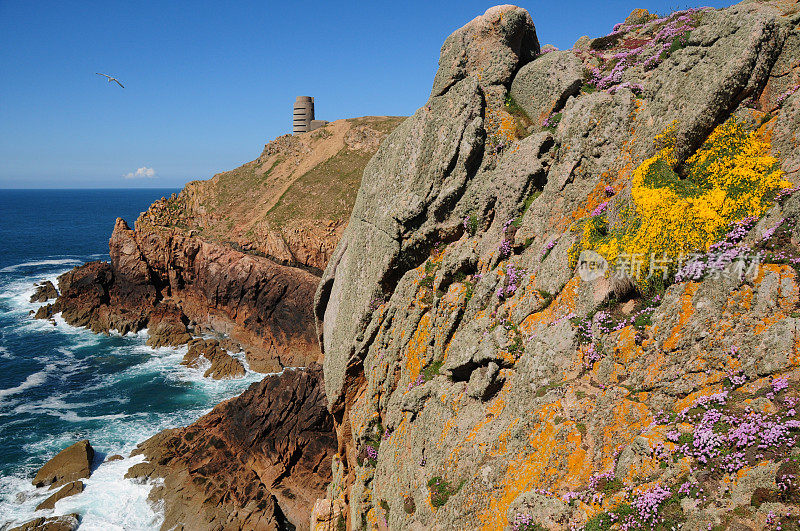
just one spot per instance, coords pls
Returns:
(238, 255)
(568, 291)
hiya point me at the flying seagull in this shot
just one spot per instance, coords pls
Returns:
(110, 79)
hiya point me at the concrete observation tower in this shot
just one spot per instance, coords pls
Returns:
(304, 116)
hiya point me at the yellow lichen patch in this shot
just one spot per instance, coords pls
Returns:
(686, 312)
(501, 127)
(628, 419)
(415, 353)
(372, 518)
(626, 349)
(399, 439)
(577, 462)
(494, 410)
(731, 177)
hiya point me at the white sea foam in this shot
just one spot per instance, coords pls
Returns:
(108, 502)
(111, 502)
(33, 380)
(5, 354)
(18, 500)
(39, 263)
(57, 406)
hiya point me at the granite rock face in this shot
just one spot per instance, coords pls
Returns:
(491, 47)
(257, 461)
(542, 87)
(453, 321)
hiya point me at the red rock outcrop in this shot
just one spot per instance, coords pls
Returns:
(164, 279)
(255, 462)
(223, 365)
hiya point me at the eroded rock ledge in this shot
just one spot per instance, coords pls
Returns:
(257, 461)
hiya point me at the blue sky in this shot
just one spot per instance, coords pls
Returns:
(208, 83)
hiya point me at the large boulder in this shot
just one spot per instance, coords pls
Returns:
(223, 365)
(492, 46)
(70, 464)
(167, 326)
(542, 86)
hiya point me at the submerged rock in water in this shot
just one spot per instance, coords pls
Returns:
(70, 464)
(70, 489)
(223, 365)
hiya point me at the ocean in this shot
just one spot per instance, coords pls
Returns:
(60, 384)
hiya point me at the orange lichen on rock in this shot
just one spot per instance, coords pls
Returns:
(690, 399)
(686, 312)
(500, 446)
(418, 346)
(536, 466)
(628, 419)
(626, 349)
(594, 199)
(563, 305)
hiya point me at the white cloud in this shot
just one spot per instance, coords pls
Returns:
(141, 173)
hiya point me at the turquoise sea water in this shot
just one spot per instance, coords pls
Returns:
(60, 384)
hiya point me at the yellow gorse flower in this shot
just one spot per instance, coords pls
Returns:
(732, 176)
